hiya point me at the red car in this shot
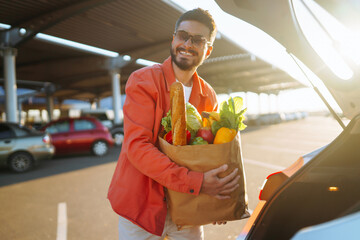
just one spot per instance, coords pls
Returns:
(79, 135)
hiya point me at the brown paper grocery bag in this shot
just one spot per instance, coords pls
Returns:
(186, 209)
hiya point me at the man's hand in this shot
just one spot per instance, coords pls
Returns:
(219, 187)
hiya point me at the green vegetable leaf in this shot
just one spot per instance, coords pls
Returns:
(231, 114)
(215, 126)
(193, 119)
(242, 126)
(238, 102)
(166, 121)
(199, 141)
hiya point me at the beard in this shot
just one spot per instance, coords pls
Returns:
(185, 64)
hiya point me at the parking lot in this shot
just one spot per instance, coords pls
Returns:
(65, 198)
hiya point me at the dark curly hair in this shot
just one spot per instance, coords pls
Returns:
(199, 15)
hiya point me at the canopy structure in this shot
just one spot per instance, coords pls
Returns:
(135, 28)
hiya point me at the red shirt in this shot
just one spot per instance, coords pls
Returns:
(136, 191)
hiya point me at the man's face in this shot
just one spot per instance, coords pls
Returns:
(186, 54)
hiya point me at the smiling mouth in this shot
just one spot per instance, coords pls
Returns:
(186, 53)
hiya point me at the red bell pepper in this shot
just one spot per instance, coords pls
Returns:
(168, 137)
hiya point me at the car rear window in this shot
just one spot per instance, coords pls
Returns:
(82, 124)
(58, 127)
(21, 131)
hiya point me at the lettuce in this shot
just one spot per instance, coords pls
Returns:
(166, 122)
(193, 119)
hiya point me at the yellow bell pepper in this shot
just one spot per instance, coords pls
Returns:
(224, 135)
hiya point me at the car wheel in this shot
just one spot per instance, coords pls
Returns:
(100, 148)
(118, 138)
(20, 162)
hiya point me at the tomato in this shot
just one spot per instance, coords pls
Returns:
(168, 137)
(188, 136)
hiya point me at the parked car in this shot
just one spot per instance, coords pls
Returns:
(320, 189)
(79, 135)
(22, 148)
(107, 119)
(346, 227)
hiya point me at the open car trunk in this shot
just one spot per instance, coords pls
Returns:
(324, 189)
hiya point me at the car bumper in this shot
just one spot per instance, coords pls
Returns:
(43, 153)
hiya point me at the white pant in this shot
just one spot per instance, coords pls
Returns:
(130, 231)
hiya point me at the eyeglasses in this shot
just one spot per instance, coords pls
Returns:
(197, 40)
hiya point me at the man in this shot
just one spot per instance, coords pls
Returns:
(143, 172)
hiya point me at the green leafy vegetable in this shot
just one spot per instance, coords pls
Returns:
(231, 115)
(199, 141)
(166, 121)
(193, 119)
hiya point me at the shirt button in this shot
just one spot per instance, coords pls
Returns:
(164, 199)
(192, 190)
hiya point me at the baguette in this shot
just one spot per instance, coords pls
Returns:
(178, 114)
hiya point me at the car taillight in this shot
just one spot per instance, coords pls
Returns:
(46, 139)
(280, 174)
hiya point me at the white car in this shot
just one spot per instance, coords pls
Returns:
(22, 148)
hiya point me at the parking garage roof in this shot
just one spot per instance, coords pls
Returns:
(140, 29)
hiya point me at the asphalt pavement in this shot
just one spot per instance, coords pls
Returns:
(65, 198)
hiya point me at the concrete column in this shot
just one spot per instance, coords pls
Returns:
(19, 111)
(93, 104)
(9, 55)
(259, 103)
(50, 106)
(116, 92)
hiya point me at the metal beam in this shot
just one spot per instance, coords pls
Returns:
(39, 86)
(71, 68)
(148, 50)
